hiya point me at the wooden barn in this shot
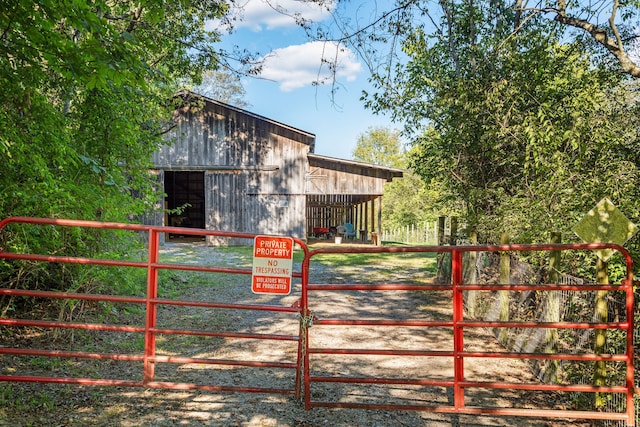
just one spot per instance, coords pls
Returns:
(225, 168)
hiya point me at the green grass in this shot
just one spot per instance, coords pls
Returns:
(173, 282)
(49, 363)
(426, 261)
(246, 251)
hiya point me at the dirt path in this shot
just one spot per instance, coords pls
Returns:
(77, 405)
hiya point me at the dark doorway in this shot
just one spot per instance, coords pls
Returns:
(185, 191)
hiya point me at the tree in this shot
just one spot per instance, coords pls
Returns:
(86, 88)
(611, 26)
(407, 201)
(380, 146)
(617, 33)
(223, 86)
(513, 128)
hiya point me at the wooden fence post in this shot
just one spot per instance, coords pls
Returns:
(551, 311)
(471, 275)
(441, 222)
(454, 230)
(505, 279)
(599, 347)
(443, 260)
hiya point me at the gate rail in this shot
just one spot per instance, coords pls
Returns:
(150, 302)
(458, 323)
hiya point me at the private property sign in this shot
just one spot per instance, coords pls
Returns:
(272, 265)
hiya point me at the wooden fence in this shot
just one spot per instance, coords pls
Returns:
(415, 234)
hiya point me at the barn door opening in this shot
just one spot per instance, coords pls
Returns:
(185, 192)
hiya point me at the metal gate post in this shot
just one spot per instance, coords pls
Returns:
(630, 306)
(458, 332)
(305, 317)
(151, 309)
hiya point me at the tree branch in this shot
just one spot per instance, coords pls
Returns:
(135, 19)
(613, 45)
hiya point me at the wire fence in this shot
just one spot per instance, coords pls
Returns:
(572, 306)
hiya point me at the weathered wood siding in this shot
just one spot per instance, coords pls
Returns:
(340, 191)
(335, 176)
(215, 135)
(250, 209)
(331, 181)
(254, 168)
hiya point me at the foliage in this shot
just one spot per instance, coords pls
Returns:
(609, 27)
(407, 201)
(516, 130)
(85, 87)
(616, 34)
(380, 146)
(223, 86)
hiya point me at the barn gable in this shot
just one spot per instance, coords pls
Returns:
(233, 170)
(340, 191)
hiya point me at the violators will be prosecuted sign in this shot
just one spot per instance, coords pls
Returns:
(272, 265)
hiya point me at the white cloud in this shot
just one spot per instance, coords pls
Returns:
(270, 14)
(302, 65)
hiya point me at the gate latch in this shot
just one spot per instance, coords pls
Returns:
(307, 321)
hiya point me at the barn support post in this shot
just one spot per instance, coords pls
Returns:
(354, 216)
(344, 208)
(373, 213)
(379, 217)
(348, 210)
(366, 216)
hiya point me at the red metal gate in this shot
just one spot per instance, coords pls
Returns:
(149, 304)
(461, 358)
(459, 386)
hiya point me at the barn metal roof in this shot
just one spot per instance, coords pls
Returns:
(352, 166)
(307, 137)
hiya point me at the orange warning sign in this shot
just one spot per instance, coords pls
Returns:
(272, 265)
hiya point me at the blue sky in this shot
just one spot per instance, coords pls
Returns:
(285, 92)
